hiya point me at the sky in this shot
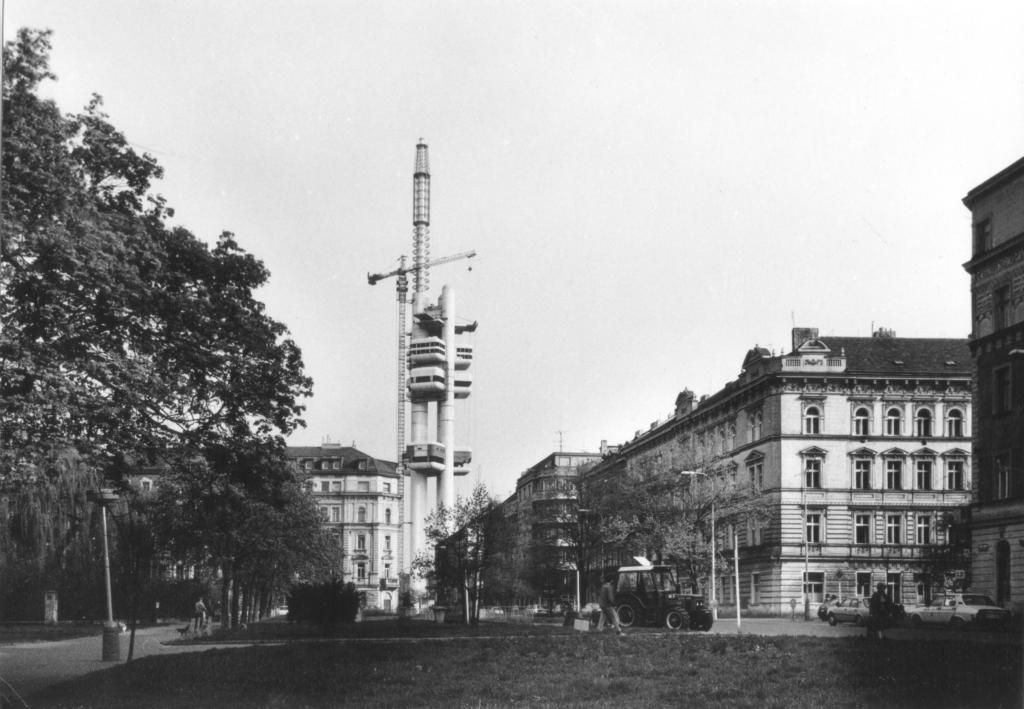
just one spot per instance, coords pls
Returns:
(652, 188)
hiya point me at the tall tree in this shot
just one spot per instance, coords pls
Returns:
(465, 544)
(121, 336)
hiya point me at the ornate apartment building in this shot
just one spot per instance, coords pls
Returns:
(361, 503)
(860, 448)
(997, 344)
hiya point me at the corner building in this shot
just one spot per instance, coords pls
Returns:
(997, 344)
(860, 448)
(361, 503)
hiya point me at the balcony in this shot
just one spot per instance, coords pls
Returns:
(814, 363)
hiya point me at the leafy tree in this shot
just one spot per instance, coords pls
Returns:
(666, 513)
(469, 540)
(123, 338)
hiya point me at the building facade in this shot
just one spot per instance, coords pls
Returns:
(997, 345)
(361, 503)
(859, 448)
(544, 514)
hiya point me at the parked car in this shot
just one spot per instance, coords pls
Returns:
(649, 594)
(961, 610)
(824, 607)
(849, 610)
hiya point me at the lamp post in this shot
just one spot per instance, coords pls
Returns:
(580, 513)
(111, 632)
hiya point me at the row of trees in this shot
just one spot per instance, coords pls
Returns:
(663, 514)
(128, 344)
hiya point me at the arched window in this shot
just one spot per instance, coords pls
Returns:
(923, 423)
(893, 422)
(955, 423)
(361, 514)
(862, 422)
(812, 420)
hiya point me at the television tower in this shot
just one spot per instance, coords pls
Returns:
(432, 372)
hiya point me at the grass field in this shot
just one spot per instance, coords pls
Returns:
(549, 667)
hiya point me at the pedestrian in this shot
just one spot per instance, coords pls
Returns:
(879, 613)
(199, 614)
(606, 599)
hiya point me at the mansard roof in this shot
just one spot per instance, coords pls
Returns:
(349, 456)
(913, 356)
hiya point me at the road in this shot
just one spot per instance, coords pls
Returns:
(28, 667)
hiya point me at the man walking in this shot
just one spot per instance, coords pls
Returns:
(879, 612)
(606, 600)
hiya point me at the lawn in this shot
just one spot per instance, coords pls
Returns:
(551, 667)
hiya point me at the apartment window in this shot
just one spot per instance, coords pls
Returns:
(387, 571)
(813, 528)
(814, 585)
(863, 580)
(361, 571)
(894, 475)
(387, 543)
(730, 436)
(325, 486)
(893, 529)
(325, 513)
(923, 475)
(862, 528)
(982, 236)
(812, 420)
(893, 422)
(862, 422)
(894, 582)
(954, 475)
(1001, 307)
(387, 516)
(361, 514)
(146, 484)
(335, 514)
(387, 488)
(755, 536)
(923, 423)
(361, 542)
(755, 589)
(862, 473)
(924, 529)
(955, 423)
(812, 472)
(756, 424)
(756, 472)
(1001, 401)
(1002, 479)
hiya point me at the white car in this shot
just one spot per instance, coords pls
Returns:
(960, 610)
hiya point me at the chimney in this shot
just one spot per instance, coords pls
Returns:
(802, 335)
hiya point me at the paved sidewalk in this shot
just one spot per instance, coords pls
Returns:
(31, 666)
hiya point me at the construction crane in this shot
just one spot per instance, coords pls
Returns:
(402, 289)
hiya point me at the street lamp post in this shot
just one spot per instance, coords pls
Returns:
(735, 558)
(580, 513)
(111, 631)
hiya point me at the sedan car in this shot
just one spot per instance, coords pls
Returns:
(960, 610)
(849, 610)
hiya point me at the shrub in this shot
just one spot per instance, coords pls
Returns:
(325, 604)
